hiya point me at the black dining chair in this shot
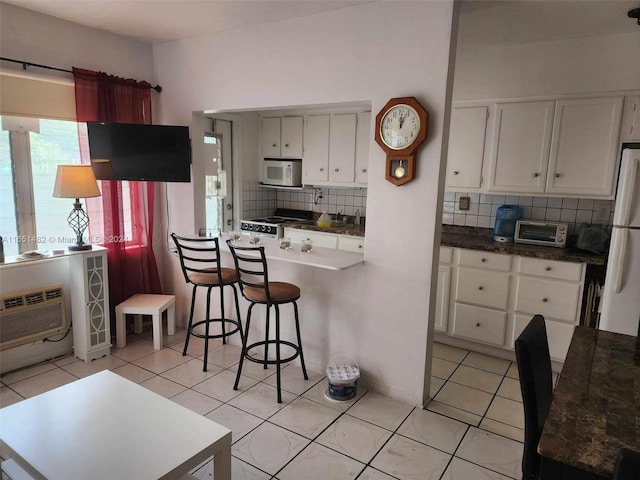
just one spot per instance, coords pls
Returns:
(627, 465)
(536, 384)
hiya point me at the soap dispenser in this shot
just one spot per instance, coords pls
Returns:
(324, 220)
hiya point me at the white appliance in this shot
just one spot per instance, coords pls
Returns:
(283, 173)
(621, 299)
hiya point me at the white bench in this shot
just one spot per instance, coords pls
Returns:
(146, 304)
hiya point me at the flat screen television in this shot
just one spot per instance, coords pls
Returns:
(129, 151)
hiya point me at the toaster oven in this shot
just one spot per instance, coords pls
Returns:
(550, 234)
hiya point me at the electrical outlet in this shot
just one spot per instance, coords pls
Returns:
(463, 203)
(602, 213)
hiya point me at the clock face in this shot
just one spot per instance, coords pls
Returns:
(399, 126)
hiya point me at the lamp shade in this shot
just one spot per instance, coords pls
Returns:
(75, 181)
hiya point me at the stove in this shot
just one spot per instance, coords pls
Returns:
(273, 226)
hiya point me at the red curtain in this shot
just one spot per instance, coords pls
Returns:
(126, 234)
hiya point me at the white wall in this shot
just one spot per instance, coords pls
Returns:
(577, 65)
(378, 312)
(33, 37)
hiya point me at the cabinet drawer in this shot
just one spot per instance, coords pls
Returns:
(490, 289)
(327, 240)
(551, 269)
(558, 335)
(481, 324)
(351, 244)
(479, 259)
(446, 255)
(549, 298)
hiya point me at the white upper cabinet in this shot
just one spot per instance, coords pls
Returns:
(520, 146)
(281, 137)
(630, 130)
(336, 149)
(315, 161)
(291, 137)
(342, 148)
(466, 147)
(363, 131)
(584, 147)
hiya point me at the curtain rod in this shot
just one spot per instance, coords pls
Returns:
(24, 64)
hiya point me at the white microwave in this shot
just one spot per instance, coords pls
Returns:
(551, 234)
(283, 173)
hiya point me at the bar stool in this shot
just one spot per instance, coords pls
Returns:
(251, 268)
(200, 262)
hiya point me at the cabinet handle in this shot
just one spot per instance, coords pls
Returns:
(478, 324)
(545, 300)
(483, 260)
(286, 144)
(481, 288)
(548, 269)
(364, 170)
(274, 145)
(322, 169)
(337, 170)
(456, 172)
(359, 246)
(557, 175)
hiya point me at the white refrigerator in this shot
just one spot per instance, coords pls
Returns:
(621, 298)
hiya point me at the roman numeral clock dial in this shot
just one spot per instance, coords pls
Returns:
(401, 126)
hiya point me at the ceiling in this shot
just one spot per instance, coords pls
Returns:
(481, 21)
(157, 21)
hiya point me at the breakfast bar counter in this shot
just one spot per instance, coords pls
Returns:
(319, 257)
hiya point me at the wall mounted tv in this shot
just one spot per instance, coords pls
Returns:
(129, 151)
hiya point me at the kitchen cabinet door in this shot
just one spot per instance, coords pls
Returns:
(291, 137)
(442, 298)
(342, 148)
(520, 146)
(270, 136)
(351, 244)
(630, 130)
(363, 132)
(319, 239)
(466, 148)
(584, 150)
(315, 158)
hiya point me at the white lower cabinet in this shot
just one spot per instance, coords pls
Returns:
(348, 243)
(490, 297)
(478, 323)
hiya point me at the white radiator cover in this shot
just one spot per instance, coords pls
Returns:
(32, 315)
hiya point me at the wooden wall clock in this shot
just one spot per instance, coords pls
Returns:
(401, 126)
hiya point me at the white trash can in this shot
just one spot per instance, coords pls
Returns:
(343, 374)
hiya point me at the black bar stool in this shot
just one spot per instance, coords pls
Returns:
(200, 262)
(251, 267)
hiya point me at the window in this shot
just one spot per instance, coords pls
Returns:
(30, 217)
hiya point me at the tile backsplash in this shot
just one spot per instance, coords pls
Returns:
(259, 201)
(483, 207)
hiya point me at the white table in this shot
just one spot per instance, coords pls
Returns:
(146, 304)
(104, 427)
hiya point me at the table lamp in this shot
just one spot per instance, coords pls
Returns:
(76, 181)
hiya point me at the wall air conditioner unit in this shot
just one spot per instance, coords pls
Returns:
(32, 315)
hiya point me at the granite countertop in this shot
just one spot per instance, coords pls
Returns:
(595, 410)
(340, 229)
(477, 238)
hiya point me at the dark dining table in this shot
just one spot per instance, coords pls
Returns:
(595, 409)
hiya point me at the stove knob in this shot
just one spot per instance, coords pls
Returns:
(249, 227)
(264, 228)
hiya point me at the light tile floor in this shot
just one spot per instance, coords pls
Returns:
(473, 428)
